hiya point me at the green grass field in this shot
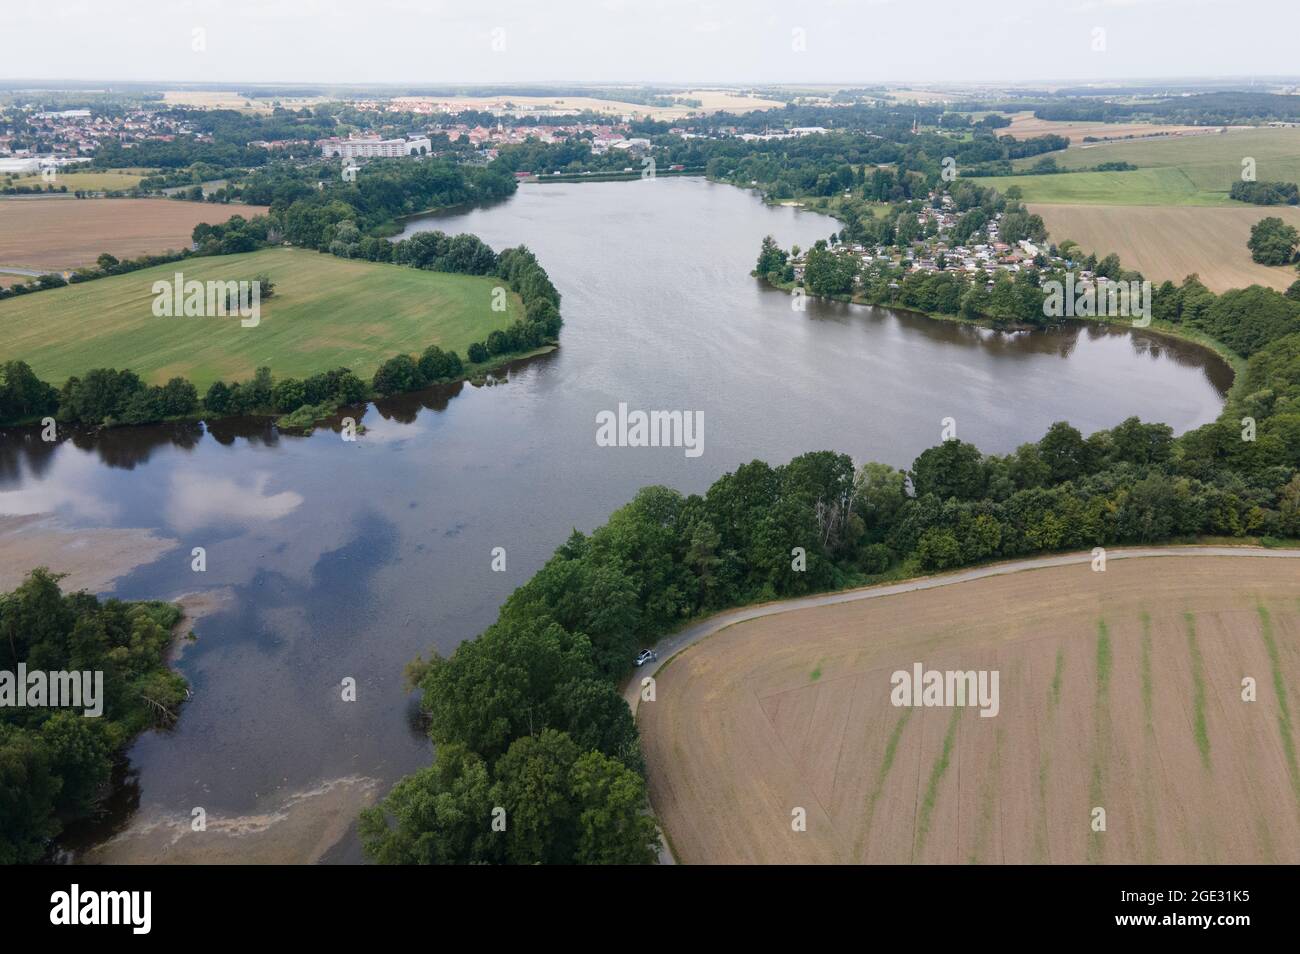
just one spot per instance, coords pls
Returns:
(1185, 170)
(91, 181)
(326, 312)
(1157, 186)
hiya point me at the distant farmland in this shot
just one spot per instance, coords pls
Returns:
(1156, 186)
(1119, 690)
(1210, 162)
(1169, 242)
(1025, 125)
(88, 181)
(326, 312)
(57, 234)
(1182, 170)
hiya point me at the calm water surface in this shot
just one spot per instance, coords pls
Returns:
(348, 559)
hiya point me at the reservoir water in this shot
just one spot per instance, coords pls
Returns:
(341, 560)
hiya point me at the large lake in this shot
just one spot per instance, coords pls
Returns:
(349, 559)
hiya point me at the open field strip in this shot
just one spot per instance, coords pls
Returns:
(1209, 162)
(92, 181)
(1025, 125)
(56, 234)
(1191, 170)
(1158, 187)
(1119, 690)
(326, 312)
(1168, 242)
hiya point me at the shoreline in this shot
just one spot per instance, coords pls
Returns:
(1163, 329)
(475, 375)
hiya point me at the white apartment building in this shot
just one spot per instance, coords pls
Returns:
(374, 148)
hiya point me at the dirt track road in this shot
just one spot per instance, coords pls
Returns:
(707, 627)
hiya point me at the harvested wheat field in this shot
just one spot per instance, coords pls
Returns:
(1119, 690)
(1026, 125)
(1172, 242)
(59, 234)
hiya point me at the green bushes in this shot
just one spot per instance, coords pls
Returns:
(24, 396)
(398, 374)
(55, 763)
(523, 720)
(107, 396)
(438, 365)
(1265, 193)
(263, 394)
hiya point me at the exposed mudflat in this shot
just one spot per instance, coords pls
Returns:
(297, 830)
(91, 559)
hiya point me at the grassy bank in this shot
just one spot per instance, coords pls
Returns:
(326, 312)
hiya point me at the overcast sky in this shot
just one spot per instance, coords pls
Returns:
(665, 41)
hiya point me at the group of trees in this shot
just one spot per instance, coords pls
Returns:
(530, 735)
(262, 394)
(24, 396)
(236, 234)
(1265, 193)
(1273, 242)
(108, 397)
(1223, 108)
(55, 763)
(309, 203)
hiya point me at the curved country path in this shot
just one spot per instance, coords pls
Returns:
(672, 645)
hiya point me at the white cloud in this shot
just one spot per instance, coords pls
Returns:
(199, 500)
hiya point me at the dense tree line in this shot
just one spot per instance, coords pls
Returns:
(1221, 108)
(1045, 166)
(1265, 193)
(309, 203)
(883, 163)
(104, 266)
(55, 762)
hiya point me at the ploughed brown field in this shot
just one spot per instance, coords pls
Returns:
(58, 234)
(1119, 690)
(1172, 242)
